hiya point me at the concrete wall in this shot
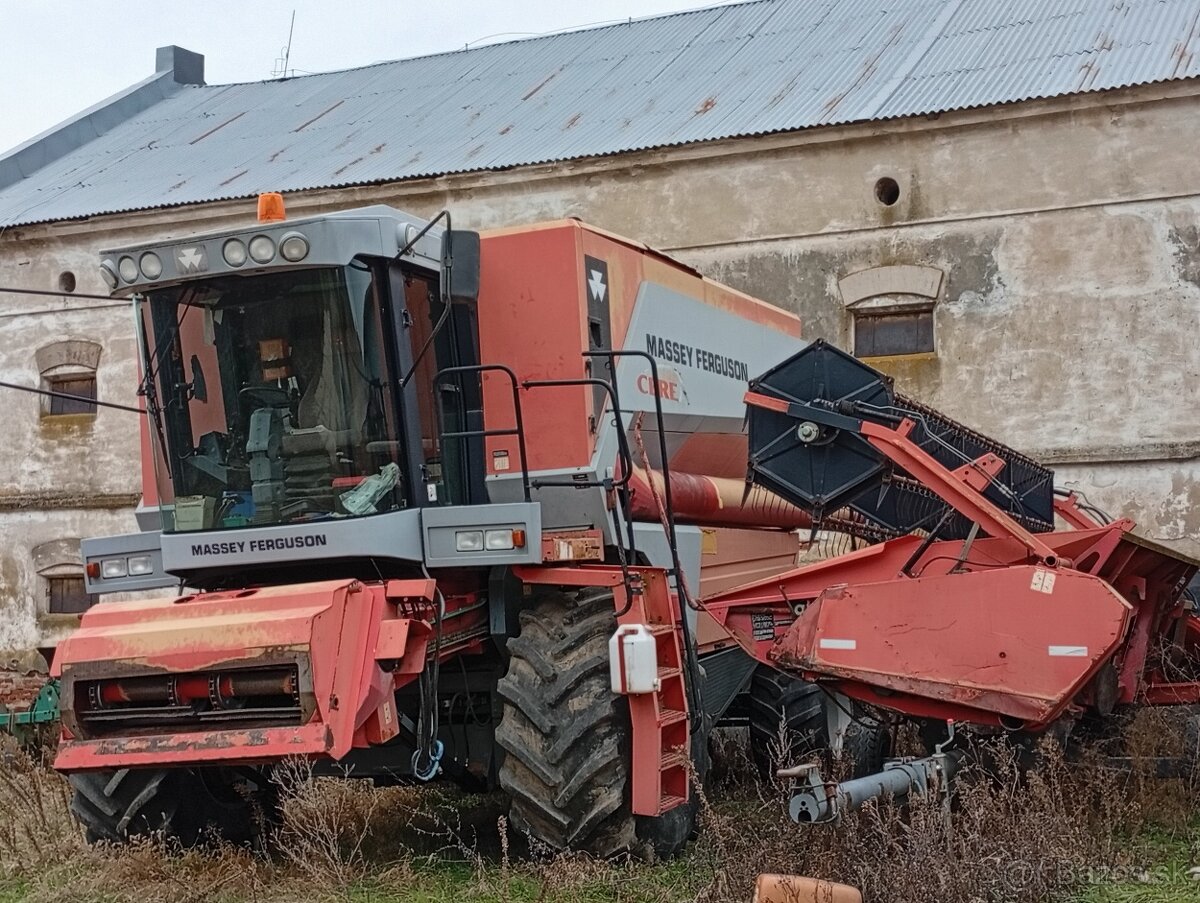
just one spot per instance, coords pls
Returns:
(1067, 322)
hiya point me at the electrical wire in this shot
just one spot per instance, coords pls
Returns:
(427, 744)
(1087, 506)
(68, 396)
(47, 292)
(917, 416)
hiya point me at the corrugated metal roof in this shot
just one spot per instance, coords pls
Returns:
(746, 69)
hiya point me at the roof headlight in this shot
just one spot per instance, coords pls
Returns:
(294, 247)
(108, 272)
(234, 252)
(128, 269)
(111, 568)
(262, 249)
(150, 265)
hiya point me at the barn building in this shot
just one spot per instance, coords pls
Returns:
(997, 203)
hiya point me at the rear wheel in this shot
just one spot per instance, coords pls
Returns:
(184, 805)
(566, 735)
(788, 724)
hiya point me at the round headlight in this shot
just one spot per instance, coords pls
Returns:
(234, 252)
(262, 249)
(109, 274)
(151, 265)
(294, 247)
(128, 269)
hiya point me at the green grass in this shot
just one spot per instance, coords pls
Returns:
(444, 882)
(1159, 876)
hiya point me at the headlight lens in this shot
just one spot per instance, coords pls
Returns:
(468, 541)
(151, 265)
(497, 540)
(294, 247)
(140, 565)
(128, 269)
(262, 249)
(234, 252)
(113, 567)
(108, 273)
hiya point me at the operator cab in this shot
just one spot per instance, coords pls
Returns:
(276, 396)
(288, 370)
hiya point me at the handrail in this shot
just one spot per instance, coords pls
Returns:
(518, 430)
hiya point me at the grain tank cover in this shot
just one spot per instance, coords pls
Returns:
(835, 467)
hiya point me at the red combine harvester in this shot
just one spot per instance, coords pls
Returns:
(440, 504)
(415, 482)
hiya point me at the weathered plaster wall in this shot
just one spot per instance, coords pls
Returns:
(24, 621)
(1068, 323)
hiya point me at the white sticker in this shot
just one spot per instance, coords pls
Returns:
(431, 489)
(838, 644)
(500, 460)
(1043, 581)
(1069, 651)
(564, 551)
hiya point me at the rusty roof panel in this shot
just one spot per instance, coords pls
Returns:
(744, 69)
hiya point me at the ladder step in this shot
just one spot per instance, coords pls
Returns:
(671, 802)
(668, 673)
(671, 716)
(673, 759)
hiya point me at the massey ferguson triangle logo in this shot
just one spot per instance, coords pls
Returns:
(595, 278)
(192, 259)
(596, 284)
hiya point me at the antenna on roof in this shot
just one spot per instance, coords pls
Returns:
(285, 53)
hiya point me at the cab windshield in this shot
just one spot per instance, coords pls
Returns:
(271, 400)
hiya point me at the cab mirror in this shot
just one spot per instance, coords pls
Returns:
(199, 386)
(460, 265)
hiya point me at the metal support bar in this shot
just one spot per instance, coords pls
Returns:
(919, 464)
(814, 800)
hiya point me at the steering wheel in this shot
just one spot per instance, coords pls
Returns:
(266, 396)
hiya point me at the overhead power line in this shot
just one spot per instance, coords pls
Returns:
(80, 398)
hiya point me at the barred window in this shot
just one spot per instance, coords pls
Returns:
(82, 386)
(879, 333)
(68, 368)
(66, 595)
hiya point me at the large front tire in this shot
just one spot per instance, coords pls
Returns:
(566, 735)
(182, 805)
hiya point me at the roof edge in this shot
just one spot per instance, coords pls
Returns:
(174, 67)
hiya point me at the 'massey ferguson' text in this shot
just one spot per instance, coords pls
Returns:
(240, 547)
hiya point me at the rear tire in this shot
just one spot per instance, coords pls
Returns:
(184, 805)
(788, 724)
(565, 735)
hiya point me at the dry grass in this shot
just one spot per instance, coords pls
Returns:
(1007, 839)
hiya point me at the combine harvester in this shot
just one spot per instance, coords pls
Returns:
(384, 457)
(437, 500)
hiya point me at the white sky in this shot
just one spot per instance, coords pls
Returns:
(58, 57)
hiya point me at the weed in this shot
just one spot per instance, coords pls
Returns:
(1076, 830)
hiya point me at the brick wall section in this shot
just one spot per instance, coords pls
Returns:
(18, 688)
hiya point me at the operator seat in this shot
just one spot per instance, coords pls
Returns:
(336, 394)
